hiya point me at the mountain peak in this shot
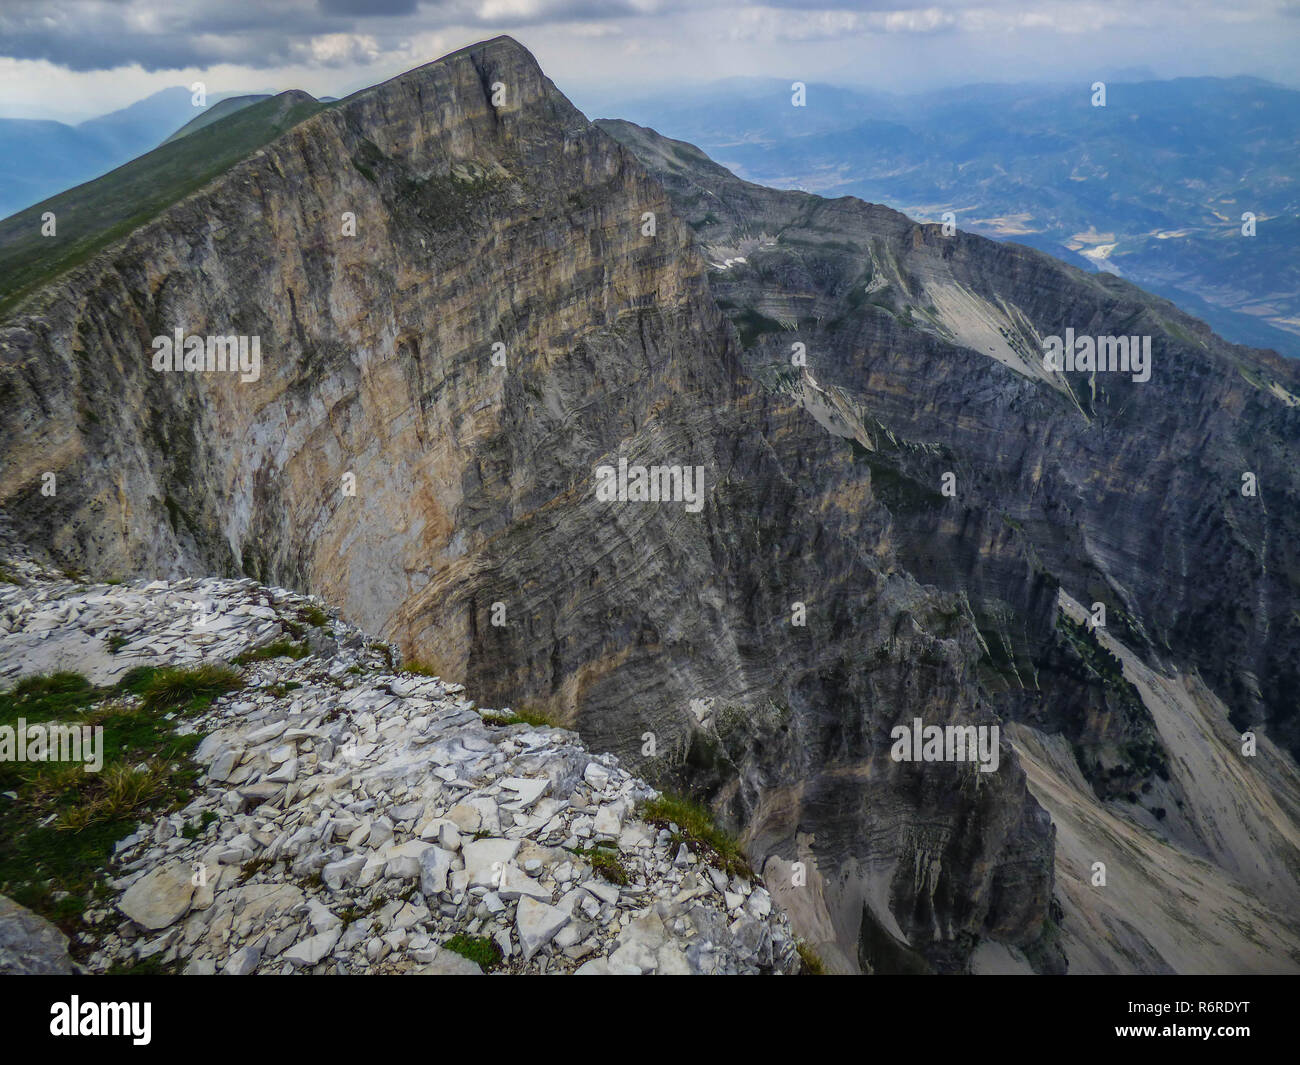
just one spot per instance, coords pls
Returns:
(496, 55)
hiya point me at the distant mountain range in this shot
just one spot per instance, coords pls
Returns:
(39, 159)
(1152, 186)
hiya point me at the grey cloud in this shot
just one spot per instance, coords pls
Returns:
(85, 35)
(368, 7)
(102, 35)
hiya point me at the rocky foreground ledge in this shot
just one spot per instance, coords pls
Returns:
(348, 817)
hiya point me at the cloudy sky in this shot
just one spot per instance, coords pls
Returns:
(70, 59)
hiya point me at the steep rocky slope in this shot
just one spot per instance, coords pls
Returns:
(924, 353)
(759, 651)
(350, 819)
(474, 483)
(1127, 492)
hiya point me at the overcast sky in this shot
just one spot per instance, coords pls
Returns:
(70, 59)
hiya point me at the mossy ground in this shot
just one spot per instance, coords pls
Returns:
(61, 822)
(695, 828)
(479, 949)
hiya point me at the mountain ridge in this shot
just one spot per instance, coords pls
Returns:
(522, 224)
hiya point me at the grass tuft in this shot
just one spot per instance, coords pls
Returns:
(693, 825)
(518, 717)
(193, 688)
(314, 615)
(419, 669)
(812, 965)
(121, 791)
(479, 949)
(605, 862)
(278, 649)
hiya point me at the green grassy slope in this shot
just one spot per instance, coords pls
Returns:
(215, 113)
(93, 215)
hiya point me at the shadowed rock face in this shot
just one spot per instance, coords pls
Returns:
(924, 355)
(475, 483)
(1128, 493)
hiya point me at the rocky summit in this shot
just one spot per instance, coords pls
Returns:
(348, 817)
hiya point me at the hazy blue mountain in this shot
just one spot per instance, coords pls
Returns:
(39, 158)
(1153, 186)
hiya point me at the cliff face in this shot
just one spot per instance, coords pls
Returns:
(924, 356)
(1128, 492)
(476, 537)
(523, 225)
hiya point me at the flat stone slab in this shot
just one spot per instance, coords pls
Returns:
(29, 944)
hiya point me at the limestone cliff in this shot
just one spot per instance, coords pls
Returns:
(476, 539)
(924, 354)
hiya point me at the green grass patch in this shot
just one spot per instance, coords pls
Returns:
(314, 615)
(251, 868)
(194, 829)
(278, 649)
(695, 827)
(811, 964)
(152, 966)
(419, 669)
(59, 833)
(479, 949)
(283, 688)
(605, 861)
(186, 689)
(519, 717)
